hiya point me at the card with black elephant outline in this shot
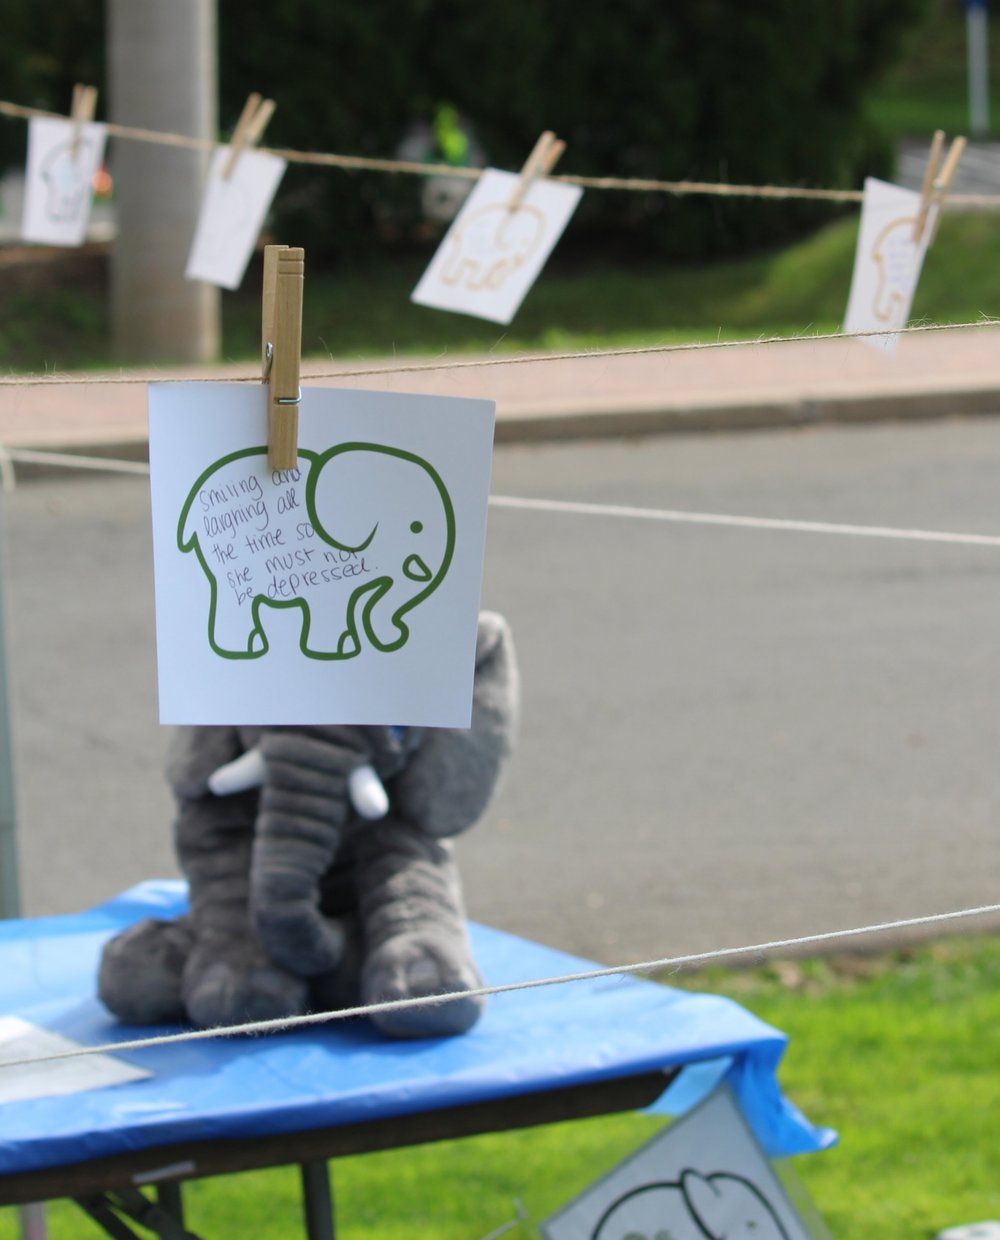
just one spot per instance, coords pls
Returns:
(704, 1177)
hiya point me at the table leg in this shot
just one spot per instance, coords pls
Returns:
(317, 1199)
(33, 1225)
(169, 1198)
(111, 1210)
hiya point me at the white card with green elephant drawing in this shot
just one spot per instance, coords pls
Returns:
(345, 590)
(493, 251)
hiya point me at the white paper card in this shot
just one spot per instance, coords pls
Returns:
(59, 188)
(21, 1040)
(490, 256)
(887, 262)
(703, 1176)
(232, 215)
(345, 591)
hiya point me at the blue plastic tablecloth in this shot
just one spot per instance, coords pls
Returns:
(344, 1072)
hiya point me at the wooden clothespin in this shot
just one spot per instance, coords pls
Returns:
(543, 158)
(281, 350)
(82, 112)
(249, 130)
(937, 183)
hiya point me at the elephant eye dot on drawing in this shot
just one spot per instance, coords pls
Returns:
(416, 526)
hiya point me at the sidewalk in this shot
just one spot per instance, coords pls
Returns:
(932, 374)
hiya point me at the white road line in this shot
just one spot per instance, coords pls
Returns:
(753, 523)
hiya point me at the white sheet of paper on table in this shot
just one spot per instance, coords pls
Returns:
(490, 256)
(232, 214)
(59, 186)
(265, 617)
(21, 1040)
(887, 262)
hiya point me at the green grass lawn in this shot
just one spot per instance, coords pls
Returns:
(898, 1052)
(365, 311)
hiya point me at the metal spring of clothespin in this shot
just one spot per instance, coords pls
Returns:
(281, 350)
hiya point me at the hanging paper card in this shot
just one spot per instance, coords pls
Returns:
(491, 254)
(59, 181)
(232, 215)
(343, 591)
(704, 1176)
(887, 262)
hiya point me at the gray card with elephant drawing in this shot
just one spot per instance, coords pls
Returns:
(705, 1177)
(345, 590)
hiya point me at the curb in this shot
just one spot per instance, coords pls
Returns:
(561, 423)
(548, 424)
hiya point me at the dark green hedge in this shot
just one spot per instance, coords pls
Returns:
(750, 91)
(736, 90)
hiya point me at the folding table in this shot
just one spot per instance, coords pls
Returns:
(301, 1097)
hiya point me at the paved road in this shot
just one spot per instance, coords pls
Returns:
(730, 734)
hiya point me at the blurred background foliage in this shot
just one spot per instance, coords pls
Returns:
(777, 91)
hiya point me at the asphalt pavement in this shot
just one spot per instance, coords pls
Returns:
(729, 738)
(731, 733)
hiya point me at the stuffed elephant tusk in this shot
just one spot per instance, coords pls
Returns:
(243, 773)
(368, 796)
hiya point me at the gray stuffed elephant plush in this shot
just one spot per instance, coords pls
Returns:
(299, 903)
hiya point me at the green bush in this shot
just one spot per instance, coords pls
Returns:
(44, 51)
(769, 92)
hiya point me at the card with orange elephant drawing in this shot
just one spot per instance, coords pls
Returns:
(892, 242)
(496, 246)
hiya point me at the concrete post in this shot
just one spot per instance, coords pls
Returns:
(10, 891)
(978, 57)
(162, 75)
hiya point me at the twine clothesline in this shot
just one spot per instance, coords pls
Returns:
(357, 163)
(667, 964)
(513, 359)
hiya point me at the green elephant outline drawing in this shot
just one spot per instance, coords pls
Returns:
(364, 598)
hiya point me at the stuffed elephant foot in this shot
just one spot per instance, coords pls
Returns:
(157, 972)
(416, 944)
(230, 983)
(417, 966)
(405, 966)
(141, 969)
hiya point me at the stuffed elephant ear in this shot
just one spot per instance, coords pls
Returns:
(451, 778)
(194, 753)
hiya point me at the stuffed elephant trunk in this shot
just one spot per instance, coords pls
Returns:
(304, 810)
